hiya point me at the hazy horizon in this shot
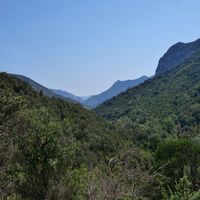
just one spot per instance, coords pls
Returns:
(83, 47)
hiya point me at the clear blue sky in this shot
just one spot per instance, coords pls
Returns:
(83, 46)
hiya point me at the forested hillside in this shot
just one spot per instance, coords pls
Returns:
(166, 105)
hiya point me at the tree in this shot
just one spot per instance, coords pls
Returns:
(183, 191)
(174, 156)
(128, 176)
(42, 152)
(9, 105)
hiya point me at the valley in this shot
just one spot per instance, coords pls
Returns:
(143, 133)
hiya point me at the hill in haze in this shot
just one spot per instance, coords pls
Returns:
(117, 88)
(68, 95)
(89, 102)
(45, 91)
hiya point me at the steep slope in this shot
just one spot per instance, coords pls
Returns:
(38, 87)
(176, 55)
(67, 95)
(166, 104)
(117, 88)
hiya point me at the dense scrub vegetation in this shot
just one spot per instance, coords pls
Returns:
(51, 149)
(42, 138)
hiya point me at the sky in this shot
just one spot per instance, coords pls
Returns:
(84, 46)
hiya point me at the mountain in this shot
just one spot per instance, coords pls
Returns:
(84, 98)
(168, 104)
(176, 55)
(68, 95)
(45, 91)
(117, 88)
(86, 101)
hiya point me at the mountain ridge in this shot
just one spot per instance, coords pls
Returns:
(117, 88)
(40, 88)
(87, 102)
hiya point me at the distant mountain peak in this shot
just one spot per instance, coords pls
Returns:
(117, 88)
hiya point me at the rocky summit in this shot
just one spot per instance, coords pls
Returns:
(176, 55)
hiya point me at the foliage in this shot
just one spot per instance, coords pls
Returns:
(8, 107)
(128, 176)
(41, 152)
(177, 156)
(183, 191)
